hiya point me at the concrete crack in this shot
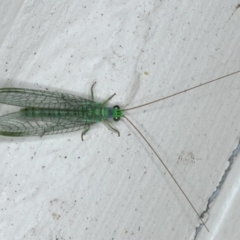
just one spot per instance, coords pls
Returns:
(219, 187)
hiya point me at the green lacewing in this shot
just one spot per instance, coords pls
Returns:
(46, 113)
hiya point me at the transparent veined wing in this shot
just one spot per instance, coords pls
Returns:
(41, 99)
(15, 124)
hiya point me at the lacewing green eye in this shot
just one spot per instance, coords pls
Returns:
(46, 113)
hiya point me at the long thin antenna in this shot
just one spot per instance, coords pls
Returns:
(168, 172)
(186, 90)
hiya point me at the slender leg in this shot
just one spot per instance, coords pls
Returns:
(105, 102)
(108, 124)
(85, 131)
(92, 95)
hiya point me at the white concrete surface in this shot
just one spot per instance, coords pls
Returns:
(109, 187)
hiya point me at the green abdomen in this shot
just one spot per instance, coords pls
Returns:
(91, 112)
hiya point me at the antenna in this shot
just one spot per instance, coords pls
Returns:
(165, 166)
(186, 90)
(144, 138)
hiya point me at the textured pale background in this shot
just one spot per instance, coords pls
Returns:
(110, 187)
